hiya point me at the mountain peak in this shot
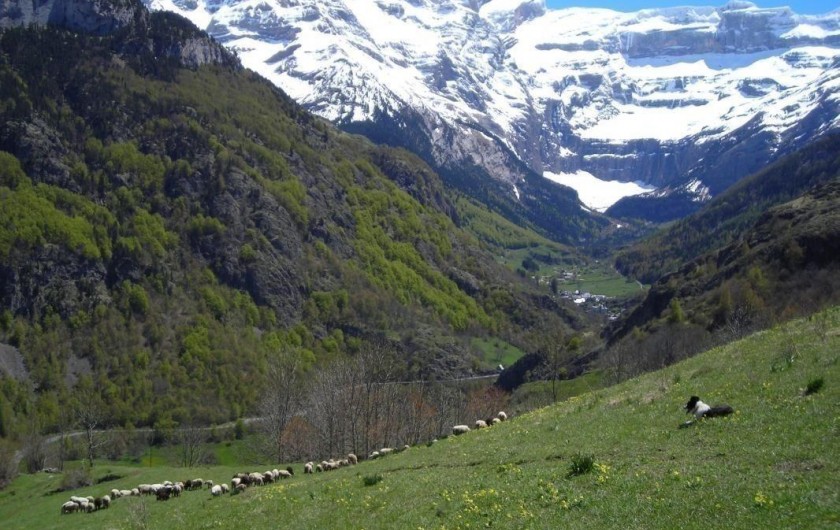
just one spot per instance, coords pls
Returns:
(509, 14)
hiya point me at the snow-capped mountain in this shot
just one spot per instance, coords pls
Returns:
(685, 100)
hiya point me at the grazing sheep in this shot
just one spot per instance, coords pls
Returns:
(135, 492)
(319, 468)
(216, 490)
(69, 507)
(209, 484)
(102, 502)
(496, 421)
(290, 470)
(235, 481)
(307, 468)
(386, 451)
(224, 487)
(353, 459)
(115, 494)
(460, 429)
(239, 489)
(480, 424)
(284, 474)
(374, 455)
(501, 415)
(163, 493)
(145, 489)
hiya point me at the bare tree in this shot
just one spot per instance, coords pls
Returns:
(191, 440)
(558, 351)
(34, 446)
(282, 398)
(90, 416)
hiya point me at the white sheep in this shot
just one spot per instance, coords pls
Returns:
(235, 481)
(496, 421)
(69, 507)
(216, 490)
(480, 424)
(319, 468)
(224, 487)
(374, 455)
(135, 492)
(353, 459)
(386, 451)
(115, 494)
(284, 474)
(460, 429)
(501, 415)
(308, 468)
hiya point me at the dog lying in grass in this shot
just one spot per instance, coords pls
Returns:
(701, 410)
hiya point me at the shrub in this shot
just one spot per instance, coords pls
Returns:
(814, 385)
(76, 478)
(372, 480)
(581, 464)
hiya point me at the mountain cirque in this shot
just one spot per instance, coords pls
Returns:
(659, 96)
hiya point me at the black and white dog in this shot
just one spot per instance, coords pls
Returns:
(701, 410)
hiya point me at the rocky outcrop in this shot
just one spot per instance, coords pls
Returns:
(163, 34)
(98, 17)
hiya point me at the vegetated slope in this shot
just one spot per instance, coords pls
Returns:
(773, 464)
(728, 215)
(786, 265)
(170, 221)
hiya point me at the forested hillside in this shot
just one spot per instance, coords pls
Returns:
(170, 224)
(724, 219)
(786, 264)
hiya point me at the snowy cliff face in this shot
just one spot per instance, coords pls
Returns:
(663, 97)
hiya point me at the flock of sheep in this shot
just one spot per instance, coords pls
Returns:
(163, 492)
(240, 481)
(480, 424)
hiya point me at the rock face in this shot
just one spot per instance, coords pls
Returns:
(99, 17)
(511, 87)
(167, 34)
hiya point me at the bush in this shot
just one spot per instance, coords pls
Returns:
(372, 480)
(581, 464)
(814, 386)
(76, 478)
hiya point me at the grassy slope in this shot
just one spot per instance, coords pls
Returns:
(775, 464)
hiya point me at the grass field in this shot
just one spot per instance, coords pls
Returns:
(496, 351)
(773, 464)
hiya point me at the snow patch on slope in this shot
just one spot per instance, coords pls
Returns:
(595, 193)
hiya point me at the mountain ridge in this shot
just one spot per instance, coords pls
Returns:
(652, 96)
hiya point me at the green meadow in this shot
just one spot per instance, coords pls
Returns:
(614, 457)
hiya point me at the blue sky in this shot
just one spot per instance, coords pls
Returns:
(799, 6)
